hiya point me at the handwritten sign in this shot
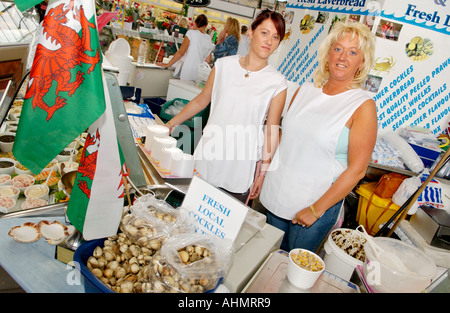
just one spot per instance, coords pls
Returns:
(215, 211)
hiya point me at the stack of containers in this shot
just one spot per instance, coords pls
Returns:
(118, 55)
(163, 151)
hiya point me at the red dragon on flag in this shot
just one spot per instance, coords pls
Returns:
(67, 94)
(56, 65)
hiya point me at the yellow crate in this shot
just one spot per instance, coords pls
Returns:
(376, 214)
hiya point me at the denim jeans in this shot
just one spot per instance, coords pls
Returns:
(296, 236)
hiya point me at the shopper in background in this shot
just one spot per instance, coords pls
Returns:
(244, 43)
(195, 49)
(328, 136)
(181, 27)
(228, 39)
(243, 92)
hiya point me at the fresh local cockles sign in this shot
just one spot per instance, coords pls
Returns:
(216, 212)
(410, 78)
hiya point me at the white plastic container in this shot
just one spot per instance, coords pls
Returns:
(337, 261)
(382, 278)
(300, 277)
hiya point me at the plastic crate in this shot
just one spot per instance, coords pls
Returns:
(91, 283)
(190, 123)
(155, 104)
(427, 155)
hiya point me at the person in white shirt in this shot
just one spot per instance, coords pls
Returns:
(195, 49)
(328, 136)
(244, 43)
(247, 97)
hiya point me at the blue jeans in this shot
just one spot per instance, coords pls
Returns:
(296, 236)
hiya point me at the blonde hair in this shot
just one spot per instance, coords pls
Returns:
(366, 42)
(233, 28)
(183, 22)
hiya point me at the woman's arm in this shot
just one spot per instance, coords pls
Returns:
(199, 103)
(178, 55)
(271, 139)
(362, 138)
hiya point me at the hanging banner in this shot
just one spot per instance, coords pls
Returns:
(410, 77)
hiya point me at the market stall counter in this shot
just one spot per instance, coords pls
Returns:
(33, 265)
(151, 78)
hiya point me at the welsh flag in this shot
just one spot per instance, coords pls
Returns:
(65, 89)
(96, 202)
(66, 95)
(23, 5)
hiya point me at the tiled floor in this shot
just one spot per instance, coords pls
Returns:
(7, 284)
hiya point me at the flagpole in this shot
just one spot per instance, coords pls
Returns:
(125, 174)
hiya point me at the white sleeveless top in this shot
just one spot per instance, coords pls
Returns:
(232, 140)
(304, 166)
(200, 46)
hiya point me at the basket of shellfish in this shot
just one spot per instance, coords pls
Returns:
(155, 251)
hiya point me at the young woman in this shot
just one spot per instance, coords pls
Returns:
(246, 93)
(195, 49)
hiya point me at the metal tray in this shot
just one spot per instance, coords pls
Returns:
(271, 278)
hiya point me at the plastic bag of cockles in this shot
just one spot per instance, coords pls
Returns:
(160, 277)
(175, 221)
(198, 257)
(144, 232)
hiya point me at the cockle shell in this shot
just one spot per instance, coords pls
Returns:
(53, 231)
(27, 232)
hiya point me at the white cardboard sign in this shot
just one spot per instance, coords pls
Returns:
(215, 211)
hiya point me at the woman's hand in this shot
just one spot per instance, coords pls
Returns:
(304, 217)
(222, 36)
(256, 188)
(163, 64)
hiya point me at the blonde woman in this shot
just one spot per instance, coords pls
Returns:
(328, 136)
(228, 39)
(181, 27)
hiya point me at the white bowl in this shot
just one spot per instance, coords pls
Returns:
(10, 168)
(65, 167)
(65, 158)
(74, 144)
(22, 181)
(11, 126)
(14, 116)
(31, 203)
(5, 179)
(10, 191)
(300, 277)
(37, 191)
(6, 203)
(19, 170)
(6, 146)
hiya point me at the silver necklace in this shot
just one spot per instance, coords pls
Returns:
(248, 73)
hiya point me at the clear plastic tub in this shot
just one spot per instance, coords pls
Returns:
(382, 278)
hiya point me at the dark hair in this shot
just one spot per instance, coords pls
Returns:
(243, 29)
(277, 19)
(201, 20)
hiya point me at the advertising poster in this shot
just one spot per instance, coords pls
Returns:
(410, 80)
